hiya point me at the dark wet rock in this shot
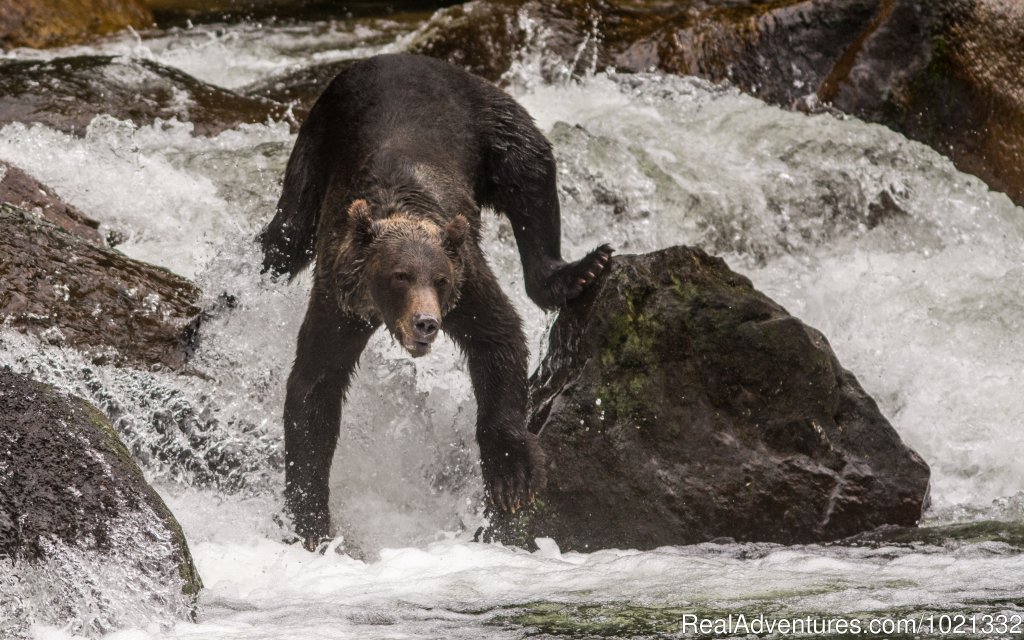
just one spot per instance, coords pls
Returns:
(25, 192)
(72, 292)
(299, 89)
(778, 50)
(67, 93)
(677, 405)
(73, 502)
(781, 51)
(482, 37)
(52, 23)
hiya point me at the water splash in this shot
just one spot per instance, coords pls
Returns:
(235, 56)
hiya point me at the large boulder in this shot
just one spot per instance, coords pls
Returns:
(51, 23)
(677, 404)
(67, 93)
(73, 292)
(88, 541)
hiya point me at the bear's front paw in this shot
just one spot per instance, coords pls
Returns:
(513, 469)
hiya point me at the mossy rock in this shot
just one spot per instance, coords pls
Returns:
(78, 521)
(677, 404)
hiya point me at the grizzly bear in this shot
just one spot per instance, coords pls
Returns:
(384, 187)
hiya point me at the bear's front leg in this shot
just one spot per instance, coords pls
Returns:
(328, 350)
(512, 463)
(488, 329)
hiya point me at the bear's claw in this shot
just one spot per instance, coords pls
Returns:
(572, 279)
(513, 472)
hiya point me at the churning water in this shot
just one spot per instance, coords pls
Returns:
(912, 269)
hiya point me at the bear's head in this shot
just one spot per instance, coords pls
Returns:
(412, 270)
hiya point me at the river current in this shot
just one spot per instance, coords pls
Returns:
(913, 271)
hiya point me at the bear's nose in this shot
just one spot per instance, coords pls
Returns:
(426, 326)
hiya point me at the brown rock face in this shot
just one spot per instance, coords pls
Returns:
(779, 50)
(52, 23)
(72, 292)
(25, 192)
(945, 72)
(677, 405)
(68, 93)
(949, 73)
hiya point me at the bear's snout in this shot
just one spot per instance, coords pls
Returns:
(424, 330)
(425, 327)
(421, 321)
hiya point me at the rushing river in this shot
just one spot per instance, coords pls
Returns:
(912, 269)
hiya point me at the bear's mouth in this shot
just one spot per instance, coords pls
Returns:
(416, 348)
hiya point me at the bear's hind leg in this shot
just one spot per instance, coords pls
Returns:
(487, 328)
(328, 351)
(523, 187)
(566, 281)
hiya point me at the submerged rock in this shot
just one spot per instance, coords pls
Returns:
(67, 93)
(90, 542)
(52, 23)
(25, 192)
(72, 292)
(677, 404)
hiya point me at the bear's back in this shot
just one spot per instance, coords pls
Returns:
(412, 104)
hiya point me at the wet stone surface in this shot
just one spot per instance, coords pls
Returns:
(72, 292)
(25, 192)
(76, 511)
(67, 93)
(677, 404)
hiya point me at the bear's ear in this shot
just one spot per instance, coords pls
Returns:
(360, 217)
(456, 232)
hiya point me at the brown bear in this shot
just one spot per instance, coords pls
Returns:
(384, 187)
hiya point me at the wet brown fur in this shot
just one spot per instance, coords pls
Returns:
(360, 248)
(384, 187)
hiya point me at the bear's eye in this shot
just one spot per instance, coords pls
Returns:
(401, 277)
(441, 282)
